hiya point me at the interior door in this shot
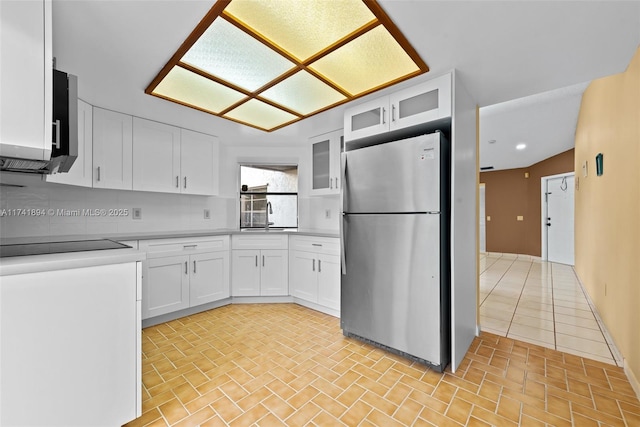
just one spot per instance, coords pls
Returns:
(559, 222)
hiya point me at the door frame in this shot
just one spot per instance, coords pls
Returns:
(543, 209)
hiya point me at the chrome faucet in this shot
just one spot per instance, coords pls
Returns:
(269, 210)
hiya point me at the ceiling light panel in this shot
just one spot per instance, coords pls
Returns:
(260, 114)
(302, 27)
(190, 88)
(230, 54)
(303, 93)
(269, 63)
(367, 62)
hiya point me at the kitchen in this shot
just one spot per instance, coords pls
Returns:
(166, 213)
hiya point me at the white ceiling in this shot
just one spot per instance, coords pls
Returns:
(502, 51)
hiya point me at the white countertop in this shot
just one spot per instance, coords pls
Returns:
(63, 261)
(150, 235)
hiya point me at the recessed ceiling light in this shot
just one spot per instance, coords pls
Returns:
(521, 146)
(269, 63)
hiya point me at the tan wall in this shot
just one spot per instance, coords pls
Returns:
(608, 206)
(508, 194)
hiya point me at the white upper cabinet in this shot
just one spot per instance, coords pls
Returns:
(423, 103)
(325, 163)
(112, 149)
(156, 156)
(26, 107)
(416, 105)
(81, 172)
(199, 154)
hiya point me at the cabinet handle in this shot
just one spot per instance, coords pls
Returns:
(393, 112)
(331, 183)
(316, 244)
(57, 140)
(194, 266)
(383, 114)
(177, 181)
(314, 265)
(263, 260)
(337, 183)
(190, 246)
(256, 260)
(319, 266)
(185, 182)
(98, 179)
(186, 271)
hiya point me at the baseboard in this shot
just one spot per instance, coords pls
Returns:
(317, 307)
(633, 380)
(261, 300)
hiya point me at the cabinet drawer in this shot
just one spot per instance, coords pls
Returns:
(270, 241)
(195, 244)
(323, 245)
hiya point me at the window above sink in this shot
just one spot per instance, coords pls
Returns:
(268, 191)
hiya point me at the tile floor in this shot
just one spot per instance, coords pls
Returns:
(524, 298)
(283, 364)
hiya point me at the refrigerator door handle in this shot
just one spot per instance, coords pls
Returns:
(343, 255)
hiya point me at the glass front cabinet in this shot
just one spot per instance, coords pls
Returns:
(325, 162)
(423, 103)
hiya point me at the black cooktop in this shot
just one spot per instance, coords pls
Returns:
(59, 247)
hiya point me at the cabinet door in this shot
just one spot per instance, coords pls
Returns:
(209, 277)
(274, 274)
(325, 163)
(165, 285)
(337, 146)
(422, 103)
(245, 272)
(304, 280)
(112, 149)
(156, 156)
(81, 172)
(370, 118)
(329, 281)
(198, 163)
(26, 80)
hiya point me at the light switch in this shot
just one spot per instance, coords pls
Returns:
(488, 218)
(136, 213)
(520, 218)
(207, 214)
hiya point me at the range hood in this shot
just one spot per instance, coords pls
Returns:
(57, 155)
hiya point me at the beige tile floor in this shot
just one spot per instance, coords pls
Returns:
(286, 365)
(524, 298)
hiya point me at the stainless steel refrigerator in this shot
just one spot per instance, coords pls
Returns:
(395, 247)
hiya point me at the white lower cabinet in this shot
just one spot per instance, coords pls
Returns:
(260, 265)
(179, 274)
(259, 273)
(209, 277)
(314, 273)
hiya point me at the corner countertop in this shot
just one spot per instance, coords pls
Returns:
(61, 261)
(151, 235)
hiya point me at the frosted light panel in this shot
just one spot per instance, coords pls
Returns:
(184, 86)
(259, 114)
(367, 62)
(302, 27)
(317, 94)
(230, 54)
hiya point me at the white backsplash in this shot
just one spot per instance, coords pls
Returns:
(64, 207)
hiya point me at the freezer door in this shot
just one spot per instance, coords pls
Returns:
(399, 176)
(391, 289)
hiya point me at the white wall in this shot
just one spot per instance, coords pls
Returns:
(160, 211)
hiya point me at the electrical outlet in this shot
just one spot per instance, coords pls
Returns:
(137, 213)
(207, 214)
(327, 213)
(520, 218)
